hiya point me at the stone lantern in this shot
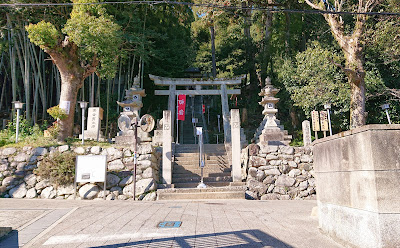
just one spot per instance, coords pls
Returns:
(130, 114)
(270, 132)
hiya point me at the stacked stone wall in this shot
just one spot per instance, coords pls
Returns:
(18, 180)
(279, 172)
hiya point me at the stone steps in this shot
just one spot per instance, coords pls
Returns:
(197, 171)
(194, 164)
(187, 174)
(231, 192)
(195, 184)
(194, 148)
(212, 174)
(180, 159)
(205, 179)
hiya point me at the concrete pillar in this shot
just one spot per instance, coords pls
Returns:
(225, 113)
(172, 105)
(236, 149)
(167, 148)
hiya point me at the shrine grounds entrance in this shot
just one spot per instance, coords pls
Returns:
(195, 89)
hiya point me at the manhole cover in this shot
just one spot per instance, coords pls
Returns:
(170, 224)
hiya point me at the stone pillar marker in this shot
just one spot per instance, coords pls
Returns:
(95, 115)
(236, 164)
(167, 148)
(225, 113)
(306, 132)
(171, 105)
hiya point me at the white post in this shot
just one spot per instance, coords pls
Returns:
(17, 130)
(236, 165)
(83, 126)
(167, 147)
(388, 116)
(329, 121)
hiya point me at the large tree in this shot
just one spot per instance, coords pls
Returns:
(349, 32)
(88, 43)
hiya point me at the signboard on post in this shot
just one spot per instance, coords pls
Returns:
(181, 107)
(323, 115)
(315, 121)
(90, 169)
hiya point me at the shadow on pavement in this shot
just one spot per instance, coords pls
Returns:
(10, 241)
(244, 238)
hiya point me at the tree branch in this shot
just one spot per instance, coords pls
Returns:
(314, 6)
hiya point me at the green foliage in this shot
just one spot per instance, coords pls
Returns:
(96, 35)
(58, 167)
(27, 133)
(313, 79)
(57, 113)
(43, 34)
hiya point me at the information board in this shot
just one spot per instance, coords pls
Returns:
(315, 120)
(91, 168)
(323, 115)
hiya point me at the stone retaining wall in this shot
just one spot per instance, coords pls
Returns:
(18, 180)
(278, 172)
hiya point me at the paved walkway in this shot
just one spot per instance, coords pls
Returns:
(204, 224)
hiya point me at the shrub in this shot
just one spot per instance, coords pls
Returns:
(58, 114)
(27, 133)
(58, 167)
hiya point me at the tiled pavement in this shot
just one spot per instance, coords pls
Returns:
(213, 223)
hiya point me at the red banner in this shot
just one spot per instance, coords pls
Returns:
(181, 107)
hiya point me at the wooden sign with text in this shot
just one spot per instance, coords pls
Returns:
(323, 115)
(315, 121)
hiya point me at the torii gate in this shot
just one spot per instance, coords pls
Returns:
(198, 83)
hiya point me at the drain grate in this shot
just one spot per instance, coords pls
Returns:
(170, 224)
(175, 207)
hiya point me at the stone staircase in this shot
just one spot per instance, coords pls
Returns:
(186, 170)
(187, 175)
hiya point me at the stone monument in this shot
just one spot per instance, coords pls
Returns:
(130, 114)
(270, 132)
(95, 116)
(306, 132)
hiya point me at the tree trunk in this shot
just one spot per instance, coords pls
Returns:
(69, 91)
(72, 77)
(356, 75)
(266, 44)
(214, 63)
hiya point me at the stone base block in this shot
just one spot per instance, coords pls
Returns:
(360, 228)
(93, 136)
(358, 177)
(125, 140)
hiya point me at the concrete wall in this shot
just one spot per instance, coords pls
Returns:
(358, 185)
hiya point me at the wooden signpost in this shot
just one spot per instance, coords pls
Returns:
(323, 115)
(315, 122)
